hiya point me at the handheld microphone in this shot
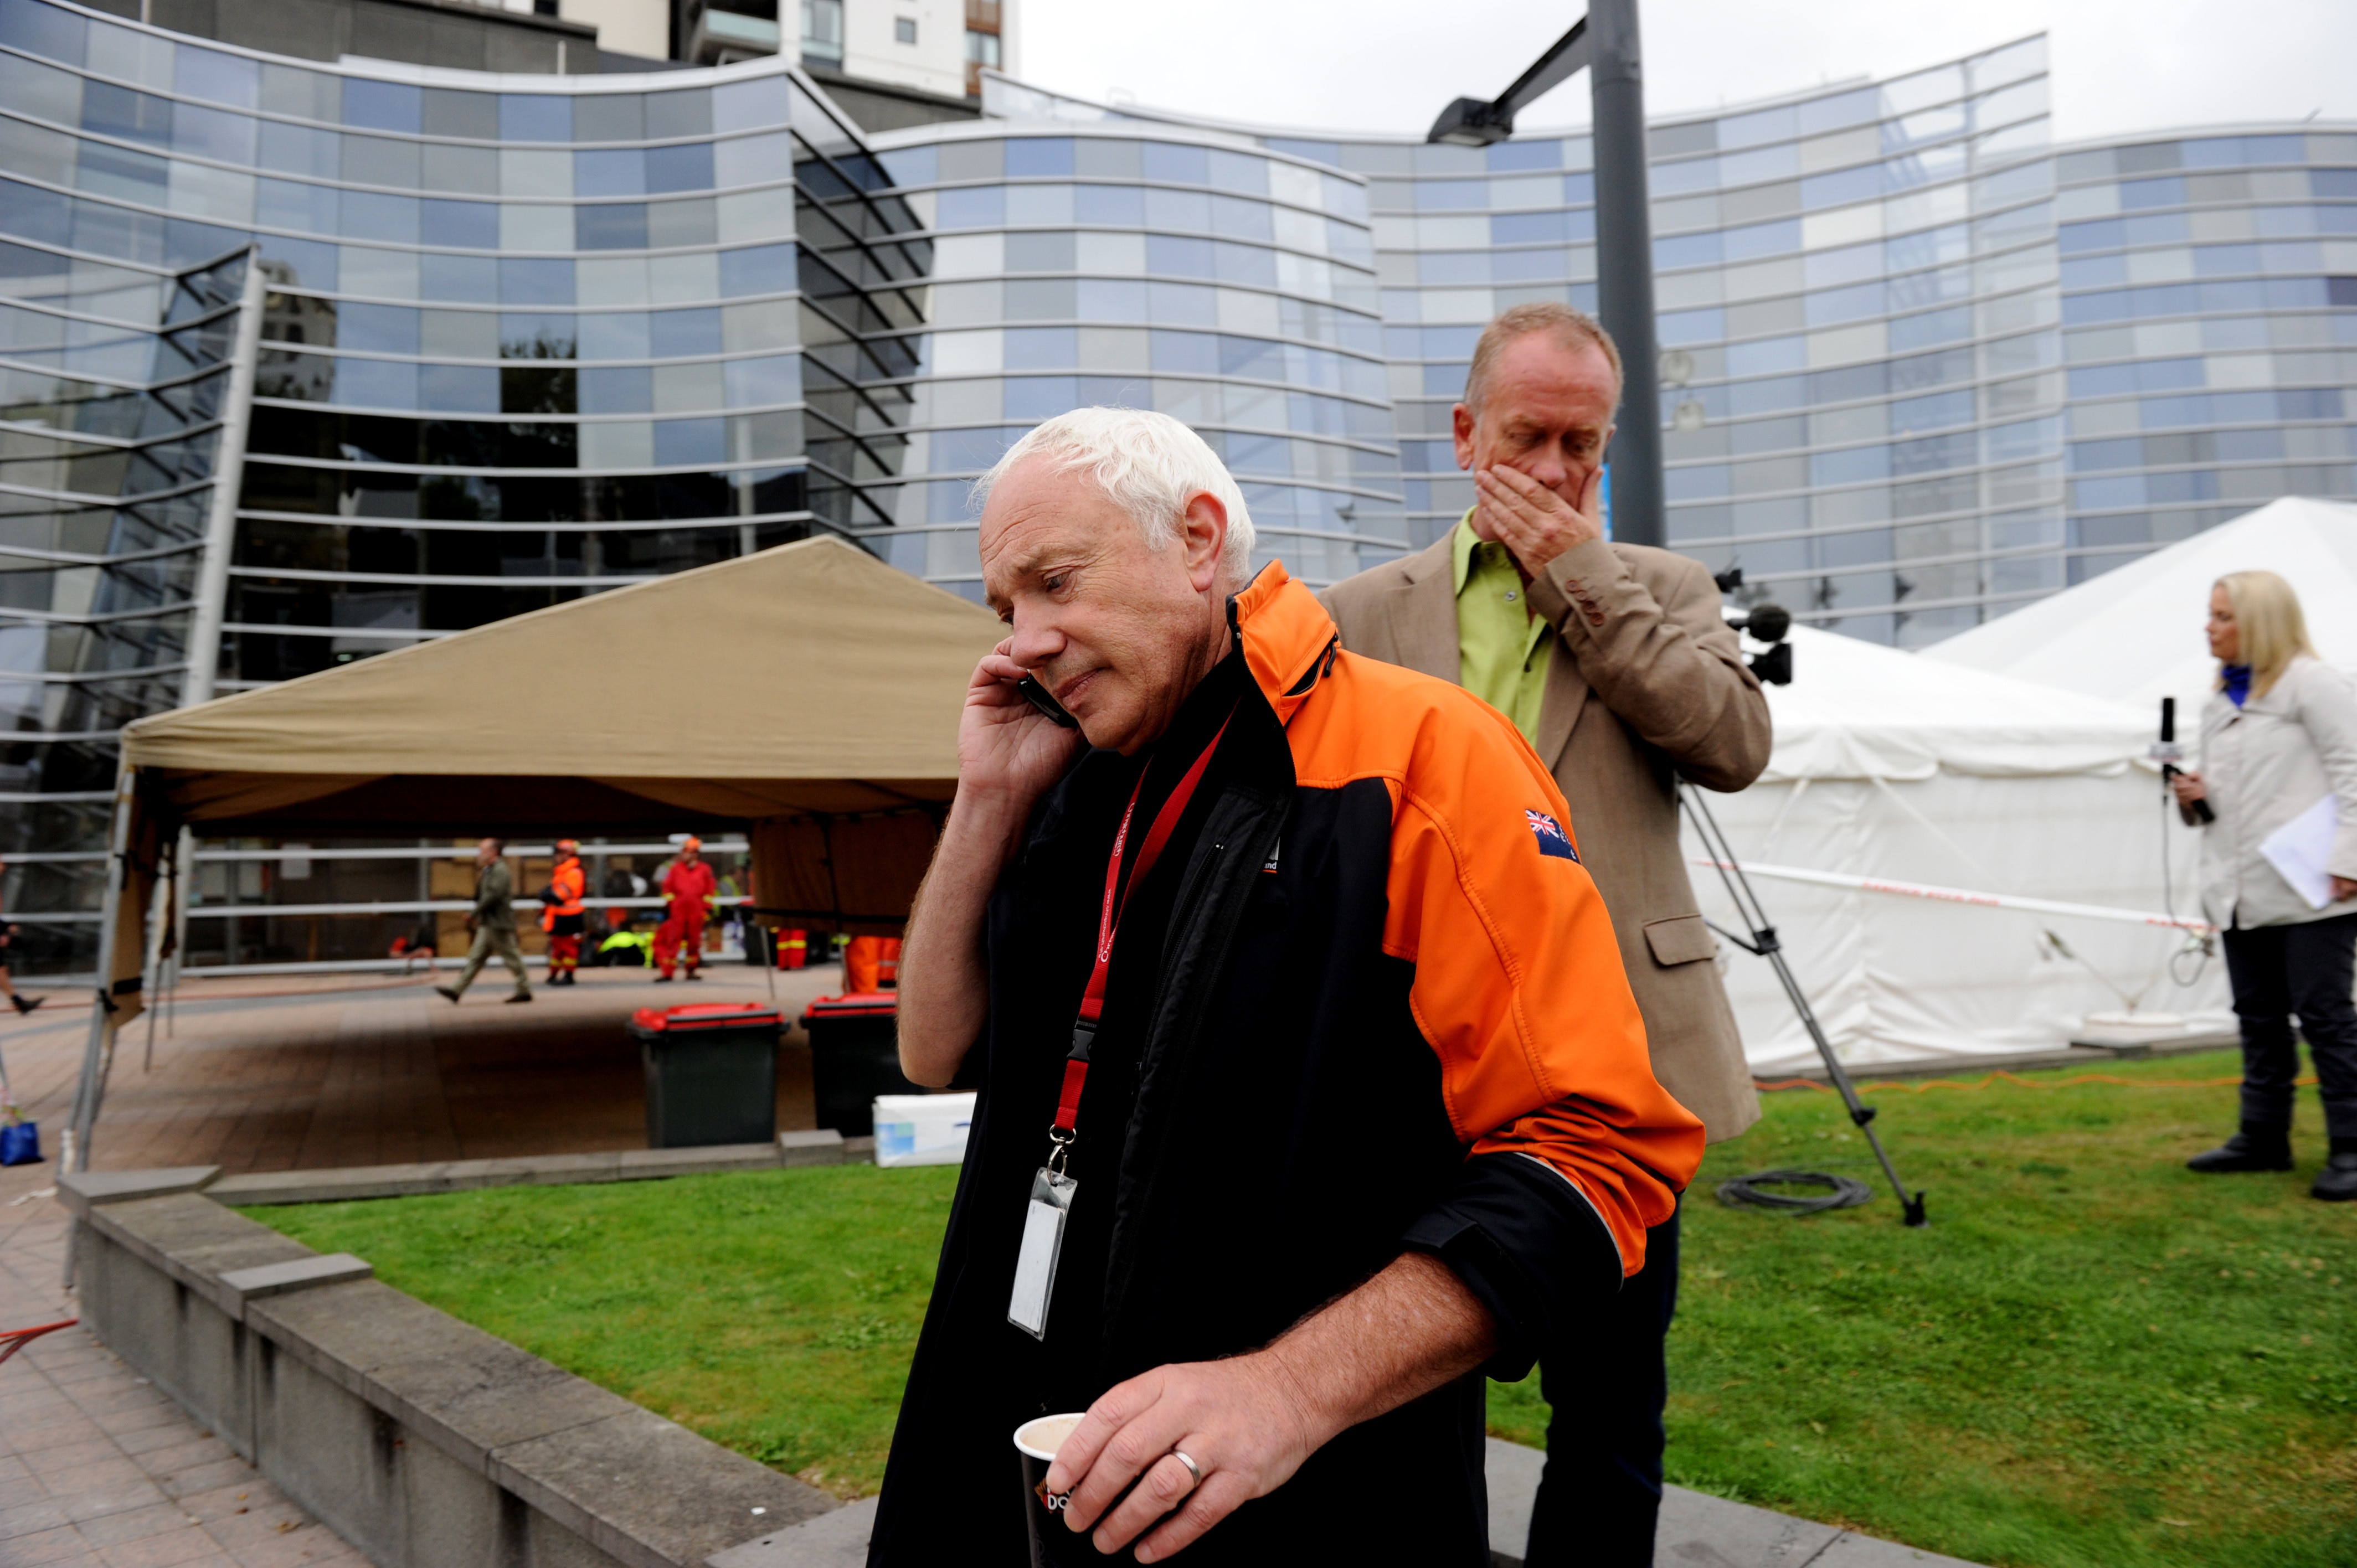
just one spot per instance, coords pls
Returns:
(2167, 752)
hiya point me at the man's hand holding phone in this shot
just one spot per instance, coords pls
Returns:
(1008, 748)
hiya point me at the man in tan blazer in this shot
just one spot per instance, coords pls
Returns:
(1617, 665)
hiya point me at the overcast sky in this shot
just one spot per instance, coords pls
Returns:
(1391, 65)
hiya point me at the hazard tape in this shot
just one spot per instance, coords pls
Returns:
(1962, 895)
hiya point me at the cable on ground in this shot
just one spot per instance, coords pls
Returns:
(15, 1340)
(1748, 1192)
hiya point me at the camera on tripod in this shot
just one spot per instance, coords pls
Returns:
(1768, 623)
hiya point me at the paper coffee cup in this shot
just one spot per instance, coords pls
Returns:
(1053, 1542)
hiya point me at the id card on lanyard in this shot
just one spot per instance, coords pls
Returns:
(1051, 1189)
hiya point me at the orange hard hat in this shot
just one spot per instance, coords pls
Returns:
(567, 846)
(691, 841)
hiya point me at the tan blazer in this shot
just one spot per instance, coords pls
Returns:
(1646, 678)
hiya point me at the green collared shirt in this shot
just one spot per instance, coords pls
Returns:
(1501, 647)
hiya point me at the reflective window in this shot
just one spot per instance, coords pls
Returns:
(376, 329)
(769, 379)
(610, 225)
(616, 390)
(469, 279)
(615, 335)
(609, 172)
(473, 389)
(681, 442)
(372, 214)
(979, 206)
(757, 269)
(1175, 163)
(1241, 220)
(471, 225)
(688, 166)
(526, 281)
(681, 114)
(609, 117)
(1039, 157)
(383, 105)
(535, 117)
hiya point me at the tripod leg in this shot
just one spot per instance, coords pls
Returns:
(1764, 942)
(1861, 1114)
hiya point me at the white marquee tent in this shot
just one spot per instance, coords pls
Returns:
(1889, 766)
(2134, 634)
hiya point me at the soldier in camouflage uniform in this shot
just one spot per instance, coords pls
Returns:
(493, 923)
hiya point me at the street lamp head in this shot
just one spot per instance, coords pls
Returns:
(1472, 123)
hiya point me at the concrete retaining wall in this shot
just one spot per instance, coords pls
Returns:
(423, 1442)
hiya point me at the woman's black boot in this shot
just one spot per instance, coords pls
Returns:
(2337, 1182)
(2251, 1149)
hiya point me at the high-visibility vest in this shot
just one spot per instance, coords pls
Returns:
(569, 883)
(872, 963)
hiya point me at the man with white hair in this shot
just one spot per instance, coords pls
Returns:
(1310, 1084)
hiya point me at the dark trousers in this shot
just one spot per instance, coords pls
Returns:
(2280, 971)
(1601, 1490)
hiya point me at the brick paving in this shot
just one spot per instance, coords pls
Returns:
(97, 1469)
(96, 1466)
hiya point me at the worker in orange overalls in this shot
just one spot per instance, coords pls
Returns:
(562, 915)
(688, 889)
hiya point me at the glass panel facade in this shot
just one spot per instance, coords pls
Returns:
(515, 344)
(2209, 310)
(1911, 351)
(1154, 268)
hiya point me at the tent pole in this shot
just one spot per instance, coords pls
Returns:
(184, 854)
(151, 967)
(98, 1055)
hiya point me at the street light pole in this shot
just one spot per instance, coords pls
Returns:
(1624, 267)
(1606, 42)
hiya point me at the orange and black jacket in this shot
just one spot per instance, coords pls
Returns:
(567, 885)
(1388, 1014)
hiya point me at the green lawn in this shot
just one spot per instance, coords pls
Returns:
(2090, 1358)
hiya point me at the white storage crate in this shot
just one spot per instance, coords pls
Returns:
(922, 1128)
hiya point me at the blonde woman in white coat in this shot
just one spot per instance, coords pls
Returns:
(2280, 737)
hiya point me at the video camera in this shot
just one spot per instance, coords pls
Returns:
(1768, 623)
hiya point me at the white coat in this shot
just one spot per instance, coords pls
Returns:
(2264, 763)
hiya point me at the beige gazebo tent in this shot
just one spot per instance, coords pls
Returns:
(808, 695)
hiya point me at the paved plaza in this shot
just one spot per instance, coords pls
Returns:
(302, 1073)
(96, 1466)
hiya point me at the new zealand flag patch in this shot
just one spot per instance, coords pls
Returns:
(1551, 839)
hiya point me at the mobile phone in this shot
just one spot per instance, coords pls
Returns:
(1038, 696)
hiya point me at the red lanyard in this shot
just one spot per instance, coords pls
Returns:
(1117, 902)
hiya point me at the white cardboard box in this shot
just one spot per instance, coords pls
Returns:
(922, 1128)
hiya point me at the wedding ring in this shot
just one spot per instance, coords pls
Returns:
(1192, 1469)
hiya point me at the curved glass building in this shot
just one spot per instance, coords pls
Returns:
(304, 362)
(1160, 266)
(1857, 308)
(2210, 326)
(301, 361)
